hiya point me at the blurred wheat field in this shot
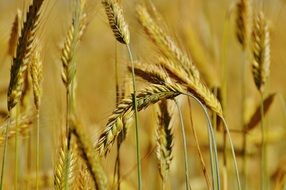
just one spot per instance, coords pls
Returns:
(87, 98)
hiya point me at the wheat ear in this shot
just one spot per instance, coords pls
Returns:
(90, 156)
(243, 22)
(260, 51)
(165, 137)
(165, 43)
(194, 85)
(14, 35)
(116, 21)
(65, 168)
(125, 110)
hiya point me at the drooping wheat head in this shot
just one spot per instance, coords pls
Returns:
(125, 110)
(194, 86)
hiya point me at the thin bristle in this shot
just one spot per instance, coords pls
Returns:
(260, 51)
(65, 169)
(164, 139)
(16, 27)
(165, 44)
(116, 21)
(243, 19)
(125, 110)
(23, 52)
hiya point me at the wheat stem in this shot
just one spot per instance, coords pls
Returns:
(136, 119)
(37, 149)
(264, 180)
(199, 149)
(182, 126)
(16, 150)
(213, 146)
(4, 151)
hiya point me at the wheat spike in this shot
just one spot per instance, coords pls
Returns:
(150, 72)
(65, 169)
(90, 156)
(36, 73)
(23, 125)
(164, 139)
(83, 180)
(243, 19)
(165, 44)
(14, 35)
(23, 52)
(73, 37)
(125, 110)
(260, 51)
(194, 86)
(116, 21)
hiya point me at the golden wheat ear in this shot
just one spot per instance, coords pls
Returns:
(116, 21)
(165, 137)
(260, 51)
(243, 22)
(125, 110)
(89, 155)
(24, 49)
(65, 168)
(15, 33)
(165, 44)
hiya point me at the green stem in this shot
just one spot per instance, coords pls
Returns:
(117, 163)
(5, 151)
(198, 148)
(244, 140)
(264, 180)
(182, 126)
(16, 149)
(37, 150)
(136, 120)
